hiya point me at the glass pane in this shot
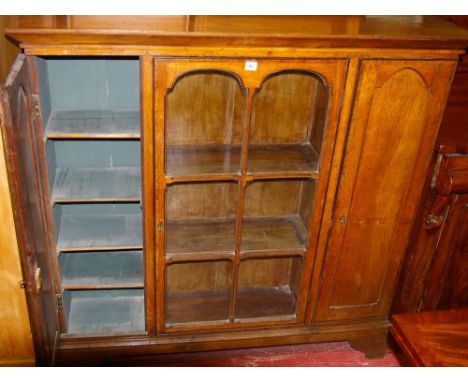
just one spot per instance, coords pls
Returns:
(277, 214)
(201, 218)
(268, 287)
(204, 125)
(198, 291)
(288, 121)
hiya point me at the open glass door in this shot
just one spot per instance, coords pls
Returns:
(20, 125)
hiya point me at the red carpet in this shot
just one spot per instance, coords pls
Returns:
(329, 354)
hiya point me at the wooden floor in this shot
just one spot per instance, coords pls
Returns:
(328, 354)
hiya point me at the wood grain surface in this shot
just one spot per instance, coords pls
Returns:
(437, 338)
(377, 31)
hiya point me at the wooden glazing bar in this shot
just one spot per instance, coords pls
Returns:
(240, 205)
(282, 175)
(247, 177)
(198, 256)
(271, 321)
(236, 178)
(202, 178)
(268, 253)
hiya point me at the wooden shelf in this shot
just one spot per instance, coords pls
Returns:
(283, 159)
(186, 238)
(99, 232)
(287, 233)
(213, 305)
(94, 270)
(199, 161)
(197, 306)
(214, 239)
(93, 124)
(223, 162)
(97, 184)
(265, 302)
(104, 311)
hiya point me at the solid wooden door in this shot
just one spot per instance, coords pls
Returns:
(396, 114)
(242, 153)
(20, 128)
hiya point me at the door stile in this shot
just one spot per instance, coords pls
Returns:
(43, 184)
(148, 194)
(344, 109)
(336, 93)
(159, 226)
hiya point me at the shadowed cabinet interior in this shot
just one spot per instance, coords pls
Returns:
(91, 122)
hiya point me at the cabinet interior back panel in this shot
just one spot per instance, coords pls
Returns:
(89, 83)
(101, 268)
(93, 170)
(104, 311)
(88, 226)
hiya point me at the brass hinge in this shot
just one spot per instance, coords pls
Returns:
(58, 301)
(36, 109)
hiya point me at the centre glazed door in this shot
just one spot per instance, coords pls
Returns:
(242, 155)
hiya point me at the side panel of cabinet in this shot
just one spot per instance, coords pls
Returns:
(447, 281)
(19, 129)
(396, 114)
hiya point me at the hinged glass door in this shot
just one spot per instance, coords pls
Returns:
(240, 147)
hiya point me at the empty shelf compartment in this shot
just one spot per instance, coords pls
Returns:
(286, 233)
(198, 291)
(268, 287)
(194, 237)
(192, 161)
(101, 184)
(104, 311)
(98, 226)
(282, 159)
(93, 270)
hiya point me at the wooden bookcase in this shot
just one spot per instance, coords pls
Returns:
(180, 199)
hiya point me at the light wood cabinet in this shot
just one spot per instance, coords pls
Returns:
(172, 198)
